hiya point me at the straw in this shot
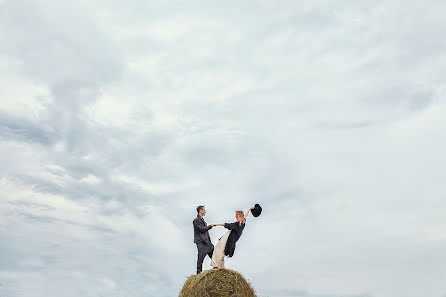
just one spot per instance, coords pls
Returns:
(217, 282)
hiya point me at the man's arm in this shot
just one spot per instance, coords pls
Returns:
(200, 227)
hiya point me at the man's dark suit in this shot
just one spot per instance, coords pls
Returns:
(203, 241)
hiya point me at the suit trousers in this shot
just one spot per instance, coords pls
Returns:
(203, 250)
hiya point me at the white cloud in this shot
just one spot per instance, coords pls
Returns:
(90, 179)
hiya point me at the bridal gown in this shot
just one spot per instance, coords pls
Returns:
(218, 257)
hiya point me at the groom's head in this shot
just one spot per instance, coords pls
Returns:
(201, 210)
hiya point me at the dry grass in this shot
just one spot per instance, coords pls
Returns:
(218, 282)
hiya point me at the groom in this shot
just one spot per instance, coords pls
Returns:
(202, 238)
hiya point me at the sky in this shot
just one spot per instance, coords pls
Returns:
(119, 118)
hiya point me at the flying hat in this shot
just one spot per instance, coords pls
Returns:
(257, 210)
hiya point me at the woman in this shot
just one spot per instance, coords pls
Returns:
(226, 244)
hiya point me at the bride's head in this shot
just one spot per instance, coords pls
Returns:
(240, 216)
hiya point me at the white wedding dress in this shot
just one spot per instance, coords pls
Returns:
(218, 257)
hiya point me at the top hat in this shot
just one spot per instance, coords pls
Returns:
(257, 210)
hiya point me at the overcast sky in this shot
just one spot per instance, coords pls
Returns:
(118, 118)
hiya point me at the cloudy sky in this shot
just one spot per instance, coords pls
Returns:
(118, 118)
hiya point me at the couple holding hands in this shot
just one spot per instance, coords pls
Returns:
(226, 244)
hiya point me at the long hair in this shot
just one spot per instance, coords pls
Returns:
(240, 216)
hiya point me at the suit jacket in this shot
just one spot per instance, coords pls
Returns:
(201, 230)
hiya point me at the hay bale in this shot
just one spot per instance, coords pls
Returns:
(217, 282)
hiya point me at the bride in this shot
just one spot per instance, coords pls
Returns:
(226, 244)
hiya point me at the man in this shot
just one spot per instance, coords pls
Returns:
(202, 238)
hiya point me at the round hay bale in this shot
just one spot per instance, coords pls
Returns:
(217, 282)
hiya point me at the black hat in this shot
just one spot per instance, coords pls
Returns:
(257, 210)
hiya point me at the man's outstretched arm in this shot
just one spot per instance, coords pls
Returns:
(201, 228)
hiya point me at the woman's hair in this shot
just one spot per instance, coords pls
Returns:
(240, 216)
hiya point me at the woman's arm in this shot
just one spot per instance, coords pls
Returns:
(226, 225)
(229, 226)
(247, 212)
